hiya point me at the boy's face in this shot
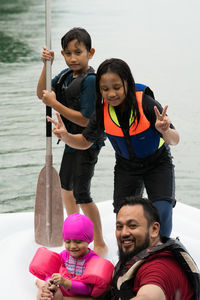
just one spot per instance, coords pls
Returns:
(77, 56)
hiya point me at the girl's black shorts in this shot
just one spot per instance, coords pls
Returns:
(155, 174)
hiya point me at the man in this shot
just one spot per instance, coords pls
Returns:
(149, 266)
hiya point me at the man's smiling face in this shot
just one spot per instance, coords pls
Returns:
(132, 230)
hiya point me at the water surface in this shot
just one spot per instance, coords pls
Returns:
(158, 39)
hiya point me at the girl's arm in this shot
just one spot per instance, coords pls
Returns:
(77, 141)
(170, 136)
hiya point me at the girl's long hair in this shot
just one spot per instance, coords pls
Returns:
(119, 67)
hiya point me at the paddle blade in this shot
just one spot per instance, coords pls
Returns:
(48, 220)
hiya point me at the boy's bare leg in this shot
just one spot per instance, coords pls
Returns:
(91, 210)
(69, 202)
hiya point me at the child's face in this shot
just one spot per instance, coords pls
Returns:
(76, 248)
(112, 88)
(77, 56)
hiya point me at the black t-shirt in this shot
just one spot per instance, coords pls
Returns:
(91, 132)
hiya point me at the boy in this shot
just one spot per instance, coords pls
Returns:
(73, 96)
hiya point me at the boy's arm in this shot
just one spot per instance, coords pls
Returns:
(46, 55)
(49, 98)
(41, 82)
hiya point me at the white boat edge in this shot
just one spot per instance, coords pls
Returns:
(17, 245)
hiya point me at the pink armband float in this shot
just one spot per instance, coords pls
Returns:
(45, 263)
(98, 272)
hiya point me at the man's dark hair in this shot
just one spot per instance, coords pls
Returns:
(79, 34)
(150, 211)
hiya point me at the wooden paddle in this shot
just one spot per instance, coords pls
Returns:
(48, 201)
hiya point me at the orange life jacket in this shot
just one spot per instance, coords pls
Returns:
(143, 139)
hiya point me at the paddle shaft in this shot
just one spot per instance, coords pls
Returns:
(48, 128)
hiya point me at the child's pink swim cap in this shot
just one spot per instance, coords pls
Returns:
(78, 227)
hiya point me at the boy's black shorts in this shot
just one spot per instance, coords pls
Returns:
(76, 171)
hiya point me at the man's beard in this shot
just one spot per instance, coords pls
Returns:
(124, 257)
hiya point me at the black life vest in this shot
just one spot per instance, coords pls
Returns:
(122, 285)
(70, 96)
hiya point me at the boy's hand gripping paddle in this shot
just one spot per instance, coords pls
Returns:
(48, 202)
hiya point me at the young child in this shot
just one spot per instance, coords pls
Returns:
(73, 96)
(139, 131)
(77, 274)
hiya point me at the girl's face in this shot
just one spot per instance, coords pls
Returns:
(76, 248)
(112, 88)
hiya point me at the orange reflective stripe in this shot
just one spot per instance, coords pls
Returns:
(110, 123)
(144, 124)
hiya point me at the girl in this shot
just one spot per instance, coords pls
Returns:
(139, 131)
(77, 265)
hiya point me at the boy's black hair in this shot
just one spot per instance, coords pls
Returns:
(150, 211)
(79, 34)
(121, 68)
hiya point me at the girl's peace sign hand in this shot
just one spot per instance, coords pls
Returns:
(162, 121)
(59, 129)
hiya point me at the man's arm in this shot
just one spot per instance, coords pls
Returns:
(150, 292)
